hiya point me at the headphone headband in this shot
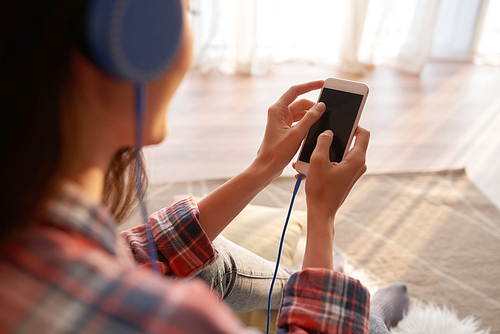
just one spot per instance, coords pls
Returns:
(135, 40)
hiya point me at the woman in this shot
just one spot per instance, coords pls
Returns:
(68, 135)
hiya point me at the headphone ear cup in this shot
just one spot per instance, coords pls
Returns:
(135, 40)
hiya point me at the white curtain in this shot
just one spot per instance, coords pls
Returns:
(249, 36)
(398, 33)
(488, 47)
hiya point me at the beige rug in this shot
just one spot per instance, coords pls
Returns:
(434, 231)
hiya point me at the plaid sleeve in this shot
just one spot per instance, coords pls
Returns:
(182, 245)
(323, 301)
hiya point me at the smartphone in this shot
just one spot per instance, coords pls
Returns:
(344, 100)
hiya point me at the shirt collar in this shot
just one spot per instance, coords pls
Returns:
(73, 210)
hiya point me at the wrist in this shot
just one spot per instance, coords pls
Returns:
(320, 210)
(265, 168)
(321, 230)
(319, 242)
(319, 250)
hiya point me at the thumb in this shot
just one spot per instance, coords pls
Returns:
(320, 158)
(322, 149)
(310, 118)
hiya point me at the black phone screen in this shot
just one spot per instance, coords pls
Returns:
(339, 116)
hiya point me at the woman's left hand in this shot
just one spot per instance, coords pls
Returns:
(287, 125)
(288, 122)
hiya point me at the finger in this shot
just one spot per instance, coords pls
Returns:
(297, 176)
(298, 116)
(310, 118)
(295, 91)
(301, 105)
(361, 144)
(322, 149)
(362, 138)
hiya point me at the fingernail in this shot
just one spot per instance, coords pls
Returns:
(328, 132)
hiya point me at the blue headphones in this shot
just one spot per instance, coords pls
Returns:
(135, 40)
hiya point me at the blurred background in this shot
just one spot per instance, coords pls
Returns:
(433, 67)
(251, 36)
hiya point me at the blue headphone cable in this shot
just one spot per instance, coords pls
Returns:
(138, 175)
(295, 190)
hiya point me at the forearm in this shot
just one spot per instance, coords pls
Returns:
(319, 242)
(287, 125)
(221, 206)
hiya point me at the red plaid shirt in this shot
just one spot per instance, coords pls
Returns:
(69, 273)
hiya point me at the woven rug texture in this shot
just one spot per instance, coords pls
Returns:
(434, 231)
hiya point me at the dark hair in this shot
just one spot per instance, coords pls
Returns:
(119, 187)
(35, 46)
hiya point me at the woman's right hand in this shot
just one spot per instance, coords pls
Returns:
(329, 183)
(327, 186)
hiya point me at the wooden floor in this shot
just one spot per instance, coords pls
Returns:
(448, 117)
